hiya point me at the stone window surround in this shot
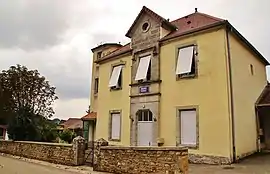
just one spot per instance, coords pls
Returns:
(110, 124)
(178, 124)
(141, 55)
(148, 27)
(123, 64)
(177, 48)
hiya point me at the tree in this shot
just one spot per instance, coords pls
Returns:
(26, 100)
(23, 125)
(26, 88)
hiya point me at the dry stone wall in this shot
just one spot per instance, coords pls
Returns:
(169, 160)
(67, 154)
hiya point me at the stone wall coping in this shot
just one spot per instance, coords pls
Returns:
(144, 148)
(40, 143)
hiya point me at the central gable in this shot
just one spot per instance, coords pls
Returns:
(147, 29)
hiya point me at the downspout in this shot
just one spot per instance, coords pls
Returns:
(231, 93)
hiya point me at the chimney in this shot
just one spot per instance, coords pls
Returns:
(196, 10)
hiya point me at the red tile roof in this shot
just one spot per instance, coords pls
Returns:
(191, 23)
(124, 49)
(90, 116)
(73, 123)
(3, 126)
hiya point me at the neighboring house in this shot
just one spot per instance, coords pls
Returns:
(3, 132)
(189, 82)
(73, 124)
(89, 123)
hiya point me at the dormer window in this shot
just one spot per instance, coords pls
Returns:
(99, 54)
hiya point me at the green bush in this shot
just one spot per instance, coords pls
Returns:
(67, 135)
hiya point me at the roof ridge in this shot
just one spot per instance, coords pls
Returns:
(210, 16)
(203, 14)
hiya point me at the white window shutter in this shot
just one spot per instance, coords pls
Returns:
(115, 76)
(116, 126)
(184, 60)
(188, 127)
(142, 68)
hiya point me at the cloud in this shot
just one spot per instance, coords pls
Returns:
(56, 36)
(32, 24)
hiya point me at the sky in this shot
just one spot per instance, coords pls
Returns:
(56, 36)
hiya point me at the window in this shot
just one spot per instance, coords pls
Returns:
(148, 75)
(116, 78)
(115, 126)
(186, 62)
(188, 127)
(145, 115)
(251, 69)
(145, 27)
(99, 54)
(143, 68)
(96, 86)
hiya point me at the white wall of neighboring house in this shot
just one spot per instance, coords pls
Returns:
(6, 136)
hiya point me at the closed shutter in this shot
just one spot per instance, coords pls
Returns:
(188, 127)
(184, 60)
(142, 68)
(116, 126)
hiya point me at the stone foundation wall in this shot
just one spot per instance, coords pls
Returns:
(142, 160)
(67, 154)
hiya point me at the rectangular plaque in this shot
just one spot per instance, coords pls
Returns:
(144, 89)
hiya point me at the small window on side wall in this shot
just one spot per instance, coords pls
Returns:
(115, 82)
(251, 69)
(186, 64)
(96, 85)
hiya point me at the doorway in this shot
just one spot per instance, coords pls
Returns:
(264, 128)
(145, 125)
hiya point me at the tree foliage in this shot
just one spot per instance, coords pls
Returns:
(26, 100)
(28, 126)
(23, 88)
(67, 135)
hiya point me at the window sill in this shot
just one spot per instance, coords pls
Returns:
(115, 140)
(145, 82)
(186, 76)
(115, 89)
(189, 146)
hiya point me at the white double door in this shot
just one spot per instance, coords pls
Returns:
(145, 133)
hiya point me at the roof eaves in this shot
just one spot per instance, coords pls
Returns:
(113, 56)
(242, 38)
(104, 45)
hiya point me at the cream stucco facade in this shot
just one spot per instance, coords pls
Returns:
(228, 79)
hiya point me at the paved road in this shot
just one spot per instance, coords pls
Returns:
(256, 164)
(10, 165)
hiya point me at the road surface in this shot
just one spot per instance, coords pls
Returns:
(10, 165)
